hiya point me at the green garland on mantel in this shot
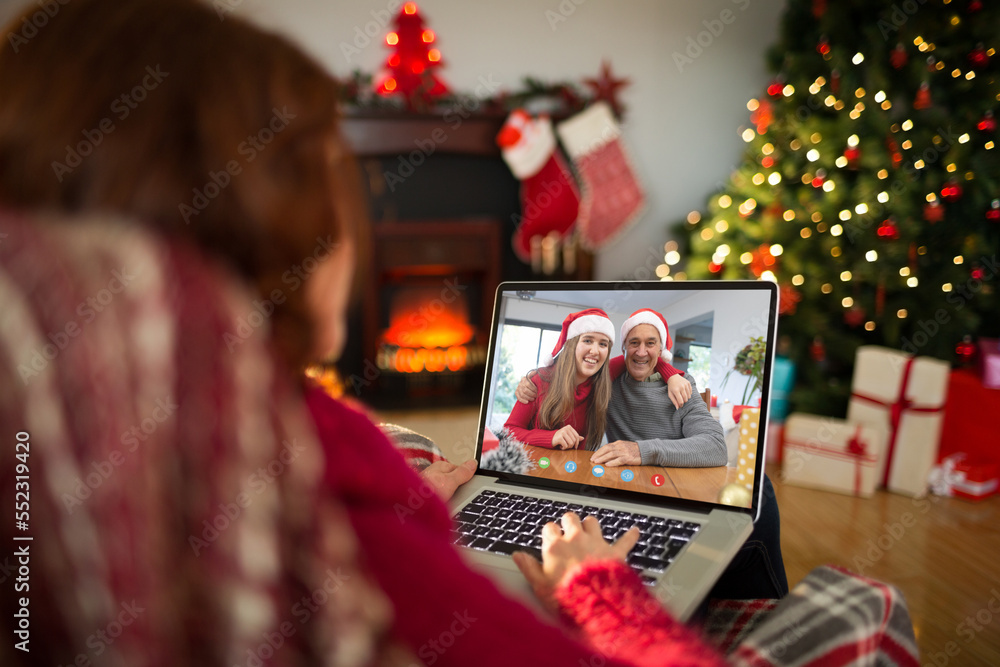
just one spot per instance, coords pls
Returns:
(560, 99)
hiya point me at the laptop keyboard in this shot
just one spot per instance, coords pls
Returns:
(503, 523)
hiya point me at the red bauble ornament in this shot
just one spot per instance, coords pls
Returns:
(933, 212)
(993, 215)
(762, 116)
(767, 162)
(888, 230)
(952, 191)
(853, 154)
(762, 260)
(714, 268)
(854, 316)
(817, 350)
(988, 123)
(790, 298)
(819, 179)
(898, 57)
(979, 57)
(966, 351)
(606, 87)
(923, 98)
(977, 273)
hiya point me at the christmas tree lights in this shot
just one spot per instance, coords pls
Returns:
(870, 190)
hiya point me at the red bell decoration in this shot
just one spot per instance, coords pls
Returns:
(923, 98)
(952, 191)
(988, 123)
(933, 212)
(888, 230)
(993, 214)
(979, 57)
(966, 350)
(898, 57)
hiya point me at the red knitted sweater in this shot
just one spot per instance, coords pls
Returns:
(450, 615)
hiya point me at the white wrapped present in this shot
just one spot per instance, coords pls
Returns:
(905, 395)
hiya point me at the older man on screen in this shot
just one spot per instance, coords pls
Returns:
(644, 427)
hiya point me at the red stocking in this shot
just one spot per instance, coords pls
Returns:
(549, 198)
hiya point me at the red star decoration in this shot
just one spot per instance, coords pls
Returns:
(606, 87)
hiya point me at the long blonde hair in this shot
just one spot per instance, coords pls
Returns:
(560, 399)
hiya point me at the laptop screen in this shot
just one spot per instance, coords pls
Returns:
(602, 421)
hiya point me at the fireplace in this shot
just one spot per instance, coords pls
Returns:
(429, 308)
(443, 206)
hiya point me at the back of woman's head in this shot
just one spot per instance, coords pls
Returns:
(190, 120)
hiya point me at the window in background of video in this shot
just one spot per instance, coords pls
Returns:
(521, 347)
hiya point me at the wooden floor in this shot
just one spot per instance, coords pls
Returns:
(943, 553)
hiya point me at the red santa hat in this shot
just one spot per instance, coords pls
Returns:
(592, 320)
(649, 316)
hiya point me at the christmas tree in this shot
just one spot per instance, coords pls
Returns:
(870, 189)
(410, 68)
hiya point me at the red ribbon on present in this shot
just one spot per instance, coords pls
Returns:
(896, 409)
(856, 451)
(857, 447)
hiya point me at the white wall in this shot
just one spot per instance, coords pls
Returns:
(681, 126)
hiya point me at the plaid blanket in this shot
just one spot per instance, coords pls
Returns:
(832, 617)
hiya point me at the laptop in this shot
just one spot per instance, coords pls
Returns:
(693, 521)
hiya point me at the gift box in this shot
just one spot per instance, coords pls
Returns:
(905, 395)
(963, 477)
(832, 454)
(966, 427)
(989, 362)
(746, 457)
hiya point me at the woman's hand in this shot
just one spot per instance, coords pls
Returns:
(445, 477)
(679, 390)
(563, 550)
(566, 438)
(526, 390)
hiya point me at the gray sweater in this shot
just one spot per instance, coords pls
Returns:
(642, 412)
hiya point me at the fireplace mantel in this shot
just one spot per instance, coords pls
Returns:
(372, 134)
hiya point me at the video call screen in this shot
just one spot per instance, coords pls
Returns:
(718, 330)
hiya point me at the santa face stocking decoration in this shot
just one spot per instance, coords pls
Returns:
(549, 198)
(612, 197)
